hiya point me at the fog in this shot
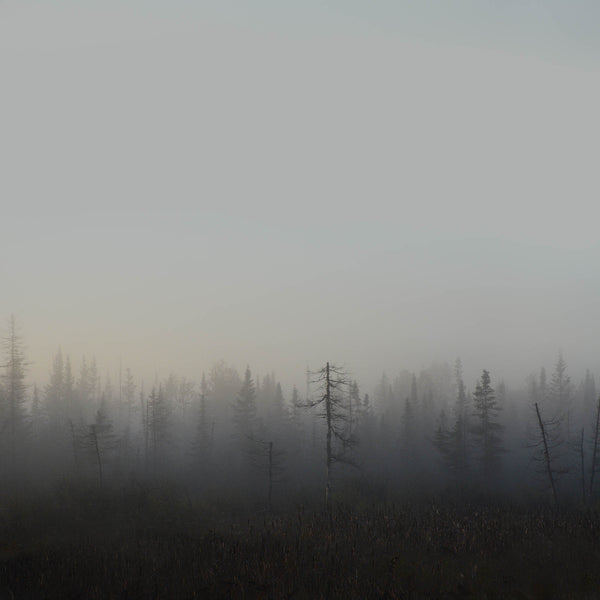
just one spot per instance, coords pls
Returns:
(386, 188)
(189, 185)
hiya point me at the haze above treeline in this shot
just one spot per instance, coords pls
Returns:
(384, 187)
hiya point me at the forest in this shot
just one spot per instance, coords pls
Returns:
(429, 486)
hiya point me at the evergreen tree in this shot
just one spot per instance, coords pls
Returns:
(15, 389)
(461, 425)
(202, 441)
(560, 396)
(486, 428)
(54, 392)
(69, 390)
(159, 416)
(244, 408)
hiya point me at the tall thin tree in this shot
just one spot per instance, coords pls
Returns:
(332, 382)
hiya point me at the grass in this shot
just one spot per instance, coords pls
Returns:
(81, 542)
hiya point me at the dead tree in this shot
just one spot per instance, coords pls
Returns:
(579, 449)
(546, 440)
(94, 439)
(596, 449)
(332, 403)
(269, 461)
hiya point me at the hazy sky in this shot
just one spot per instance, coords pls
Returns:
(380, 184)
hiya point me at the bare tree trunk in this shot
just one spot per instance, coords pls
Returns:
(74, 444)
(582, 460)
(270, 494)
(329, 432)
(95, 439)
(546, 454)
(595, 452)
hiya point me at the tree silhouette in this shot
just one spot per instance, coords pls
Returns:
(486, 428)
(332, 382)
(15, 413)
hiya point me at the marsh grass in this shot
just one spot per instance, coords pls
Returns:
(163, 542)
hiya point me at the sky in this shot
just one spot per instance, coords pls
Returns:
(279, 184)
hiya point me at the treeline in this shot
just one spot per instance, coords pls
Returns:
(230, 432)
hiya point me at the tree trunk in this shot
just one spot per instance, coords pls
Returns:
(595, 452)
(99, 461)
(270, 494)
(546, 454)
(329, 432)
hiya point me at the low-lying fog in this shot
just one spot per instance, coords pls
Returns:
(186, 186)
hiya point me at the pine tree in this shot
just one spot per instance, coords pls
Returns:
(100, 440)
(486, 428)
(244, 408)
(15, 389)
(202, 442)
(461, 425)
(158, 422)
(54, 392)
(559, 395)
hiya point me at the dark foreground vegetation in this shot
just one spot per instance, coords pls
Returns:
(161, 542)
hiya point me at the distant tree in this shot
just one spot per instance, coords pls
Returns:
(559, 395)
(408, 432)
(224, 384)
(85, 383)
(589, 392)
(546, 444)
(15, 390)
(442, 441)
(100, 439)
(543, 385)
(578, 446)
(202, 440)
(268, 461)
(158, 422)
(595, 467)
(354, 410)
(38, 413)
(461, 425)
(270, 399)
(184, 395)
(54, 391)
(451, 441)
(244, 408)
(486, 428)
(128, 390)
(69, 389)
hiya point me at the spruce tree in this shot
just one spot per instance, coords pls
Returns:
(486, 428)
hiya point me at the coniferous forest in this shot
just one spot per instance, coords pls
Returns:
(225, 486)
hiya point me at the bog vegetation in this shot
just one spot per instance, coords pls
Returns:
(225, 487)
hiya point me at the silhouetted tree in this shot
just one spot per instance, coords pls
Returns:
(158, 416)
(245, 417)
(54, 393)
(461, 425)
(595, 467)
(15, 389)
(99, 440)
(202, 441)
(269, 462)
(244, 407)
(559, 395)
(332, 385)
(486, 428)
(546, 444)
